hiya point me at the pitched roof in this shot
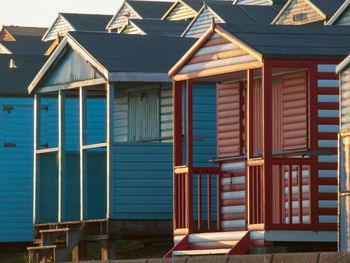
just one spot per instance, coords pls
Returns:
(14, 81)
(87, 22)
(255, 2)
(328, 7)
(304, 42)
(25, 31)
(339, 12)
(31, 45)
(150, 9)
(160, 27)
(111, 54)
(194, 4)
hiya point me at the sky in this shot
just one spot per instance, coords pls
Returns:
(42, 13)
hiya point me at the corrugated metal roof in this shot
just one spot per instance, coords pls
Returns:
(150, 9)
(133, 53)
(87, 22)
(294, 42)
(161, 27)
(244, 14)
(31, 45)
(14, 81)
(25, 31)
(329, 7)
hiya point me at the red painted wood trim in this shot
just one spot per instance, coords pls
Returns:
(328, 120)
(327, 75)
(242, 246)
(235, 216)
(209, 202)
(189, 119)
(327, 166)
(328, 105)
(328, 211)
(182, 245)
(327, 196)
(327, 181)
(219, 202)
(328, 91)
(199, 201)
(231, 202)
(327, 136)
(241, 117)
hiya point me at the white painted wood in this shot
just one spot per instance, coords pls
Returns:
(233, 195)
(328, 219)
(61, 152)
(327, 173)
(305, 236)
(216, 49)
(233, 223)
(82, 153)
(49, 150)
(233, 166)
(328, 203)
(109, 141)
(328, 83)
(257, 235)
(219, 251)
(94, 146)
(216, 236)
(178, 238)
(233, 209)
(295, 220)
(233, 180)
(326, 68)
(36, 160)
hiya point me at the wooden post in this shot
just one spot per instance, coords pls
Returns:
(36, 158)
(267, 143)
(177, 144)
(83, 154)
(109, 141)
(189, 135)
(61, 153)
(79, 253)
(108, 250)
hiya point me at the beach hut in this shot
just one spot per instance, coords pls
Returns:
(112, 179)
(343, 155)
(183, 10)
(302, 12)
(16, 146)
(225, 12)
(277, 124)
(131, 9)
(10, 33)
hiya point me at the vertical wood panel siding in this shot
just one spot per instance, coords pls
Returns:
(143, 171)
(202, 23)
(60, 26)
(228, 115)
(254, 2)
(345, 99)
(328, 128)
(344, 19)
(298, 7)
(257, 119)
(223, 54)
(181, 12)
(122, 17)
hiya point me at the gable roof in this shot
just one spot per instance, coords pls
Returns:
(326, 8)
(258, 2)
(27, 45)
(159, 27)
(225, 12)
(147, 58)
(194, 5)
(78, 22)
(25, 30)
(339, 13)
(142, 9)
(14, 81)
(294, 42)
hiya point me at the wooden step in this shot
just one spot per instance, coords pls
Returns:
(221, 251)
(216, 236)
(54, 230)
(212, 245)
(42, 247)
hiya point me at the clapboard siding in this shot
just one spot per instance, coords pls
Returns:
(202, 23)
(328, 128)
(122, 17)
(4, 50)
(181, 12)
(131, 30)
(60, 27)
(297, 7)
(344, 18)
(219, 55)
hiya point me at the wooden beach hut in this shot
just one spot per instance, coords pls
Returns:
(112, 180)
(343, 157)
(302, 12)
(277, 124)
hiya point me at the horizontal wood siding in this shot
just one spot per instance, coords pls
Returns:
(131, 30)
(60, 26)
(299, 7)
(4, 50)
(181, 12)
(122, 17)
(254, 2)
(217, 53)
(202, 23)
(229, 122)
(344, 19)
(328, 128)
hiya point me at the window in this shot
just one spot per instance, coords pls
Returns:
(143, 115)
(299, 17)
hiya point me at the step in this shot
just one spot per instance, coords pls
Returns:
(221, 251)
(54, 230)
(216, 236)
(42, 247)
(212, 245)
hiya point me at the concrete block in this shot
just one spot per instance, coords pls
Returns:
(167, 260)
(295, 258)
(333, 257)
(207, 259)
(250, 259)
